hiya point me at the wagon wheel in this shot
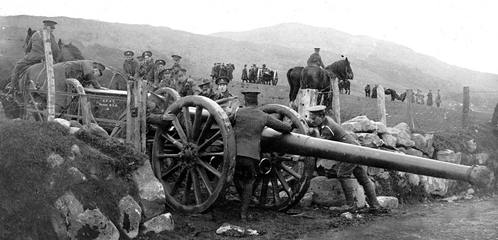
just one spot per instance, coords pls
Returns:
(193, 153)
(287, 177)
(275, 78)
(167, 96)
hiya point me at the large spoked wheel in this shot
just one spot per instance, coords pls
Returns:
(275, 78)
(283, 179)
(193, 153)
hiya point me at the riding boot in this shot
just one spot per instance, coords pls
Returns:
(369, 188)
(348, 189)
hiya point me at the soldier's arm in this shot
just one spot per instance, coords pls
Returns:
(55, 48)
(339, 134)
(277, 124)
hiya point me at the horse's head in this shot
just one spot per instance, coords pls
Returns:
(26, 40)
(69, 52)
(341, 69)
(349, 71)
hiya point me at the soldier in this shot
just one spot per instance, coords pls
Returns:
(438, 99)
(176, 62)
(330, 130)
(207, 89)
(429, 98)
(140, 60)
(35, 53)
(249, 124)
(130, 66)
(166, 80)
(184, 85)
(159, 66)
(367, 90)
(315, 59)
(222, 83)
(146, 70)
(244, 76)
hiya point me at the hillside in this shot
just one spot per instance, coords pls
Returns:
(280, 47)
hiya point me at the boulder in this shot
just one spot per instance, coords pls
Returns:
(482, 158)
(63, 122)
(413, 179)
(414, 152)
(393, 131)
(369, 140)
(130, 216)
(328, 192)
(380, 127)
(429, 137)
(307, 199)
(403, 127)
(76, 175)
(98, 130)
(471, 146)
(351, 126)
(325, 163)
(151, 191)
(75, 124)
(435, 186)
(449, 156)
(420, 142)
(389, 140)
(55, 160)
(73, 130)
(403, 139)
(388, 202)
(163, 222)
(367, 126)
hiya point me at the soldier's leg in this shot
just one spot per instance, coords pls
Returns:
(22, 64)
(245, 168)
(360, 173)
(344, 171)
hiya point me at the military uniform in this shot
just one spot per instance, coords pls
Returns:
(226, 93)
(438, 99)
(429, 98)
(146, 70)
(130, 67)
(35, 53)
(330, 130)
(244, 76)
(315, 60)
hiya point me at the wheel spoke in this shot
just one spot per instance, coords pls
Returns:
(205, 129)
(208, 154)
(205, 179)
(286, 186)
(197, 186)
(178, 181)
(208, 142)
(290, 171)
(210, 168)
(276, 192)
(180, 131)
(170, 171)
(197, 122)
(165, 155)
(188, 123)
(188, 185)
(264, 191)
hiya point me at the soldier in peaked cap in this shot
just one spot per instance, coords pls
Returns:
(35, 53)
(183, 85)
(330, 130)
(207, 89)
(158, 67)
(222, 83)
(176, 62)
(315, 59)
(130, 65)
(249, 123)
(146, 69)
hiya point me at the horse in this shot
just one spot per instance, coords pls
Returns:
(316, 78)
(113, 79)
(392, 92)
(294, 80)
(345, 86)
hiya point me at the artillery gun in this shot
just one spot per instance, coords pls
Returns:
(194, 153)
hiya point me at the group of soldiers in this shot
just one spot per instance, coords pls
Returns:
(222, 70)
(417, 97)
(251, 75)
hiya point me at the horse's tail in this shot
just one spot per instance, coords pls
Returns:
(289, 76)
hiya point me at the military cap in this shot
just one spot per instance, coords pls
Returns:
(176, 57)
(204, 82)
(317, 109)
(148, 53)
(160, 61)
(317, 48)
(222, 80)
(98, 65)
(129, 53)
(49, 23)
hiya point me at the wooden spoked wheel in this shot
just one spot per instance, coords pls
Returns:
(193, 153)
(284, 179)
(275, 78)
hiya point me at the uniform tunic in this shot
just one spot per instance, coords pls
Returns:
(244, 74)
(249, 124)
(130, 68)
(146, 70)
(315, 60)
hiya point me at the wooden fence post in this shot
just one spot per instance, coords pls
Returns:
(49, 63)
(409, 98)
(306, 98)
(336, 105)
(381, 104)
(466, 105)
(136, 114)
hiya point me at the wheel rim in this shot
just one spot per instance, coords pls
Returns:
(290, 175)
(194, 157)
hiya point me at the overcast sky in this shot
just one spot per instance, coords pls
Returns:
(462, 33)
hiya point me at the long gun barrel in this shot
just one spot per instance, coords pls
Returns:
(315, 147)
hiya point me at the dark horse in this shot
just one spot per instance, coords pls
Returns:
(345, 87)
(316, 78)
(393, 94)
